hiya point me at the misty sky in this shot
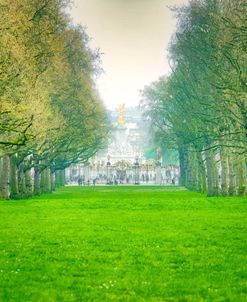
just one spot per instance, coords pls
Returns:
(133, 35)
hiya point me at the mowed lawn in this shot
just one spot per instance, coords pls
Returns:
(123, 244)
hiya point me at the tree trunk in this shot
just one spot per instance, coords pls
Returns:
(183, 167)
(190, 171)
(42, 181)
(211, 173)
(57, 179)
(53, 185)
(241, 176)
(197, 176)
(14, 189)
(224, 171)
(48, 177)
(202, 173)
(216, 177)
(36, 181)
(232, 176)
(5, 177)
(193, 171)
(28, 182)
(63, 178)
(60, 178)
(46, 181)
(21, 180)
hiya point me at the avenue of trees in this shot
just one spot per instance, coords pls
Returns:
(200, 109)
(50, 113)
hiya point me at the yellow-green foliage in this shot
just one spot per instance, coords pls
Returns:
(49, 108)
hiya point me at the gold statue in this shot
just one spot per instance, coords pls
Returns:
(121, 115)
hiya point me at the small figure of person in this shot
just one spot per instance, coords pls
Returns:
(79, 181)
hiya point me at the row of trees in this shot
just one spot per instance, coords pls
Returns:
(50, 113)
(201, 108)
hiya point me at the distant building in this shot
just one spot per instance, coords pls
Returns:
(123, 160)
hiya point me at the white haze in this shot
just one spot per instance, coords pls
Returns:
(133, 36)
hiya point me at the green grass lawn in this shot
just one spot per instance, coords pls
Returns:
(123, 244)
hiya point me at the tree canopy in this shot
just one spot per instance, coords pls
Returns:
(200, 109)
(50, 112)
